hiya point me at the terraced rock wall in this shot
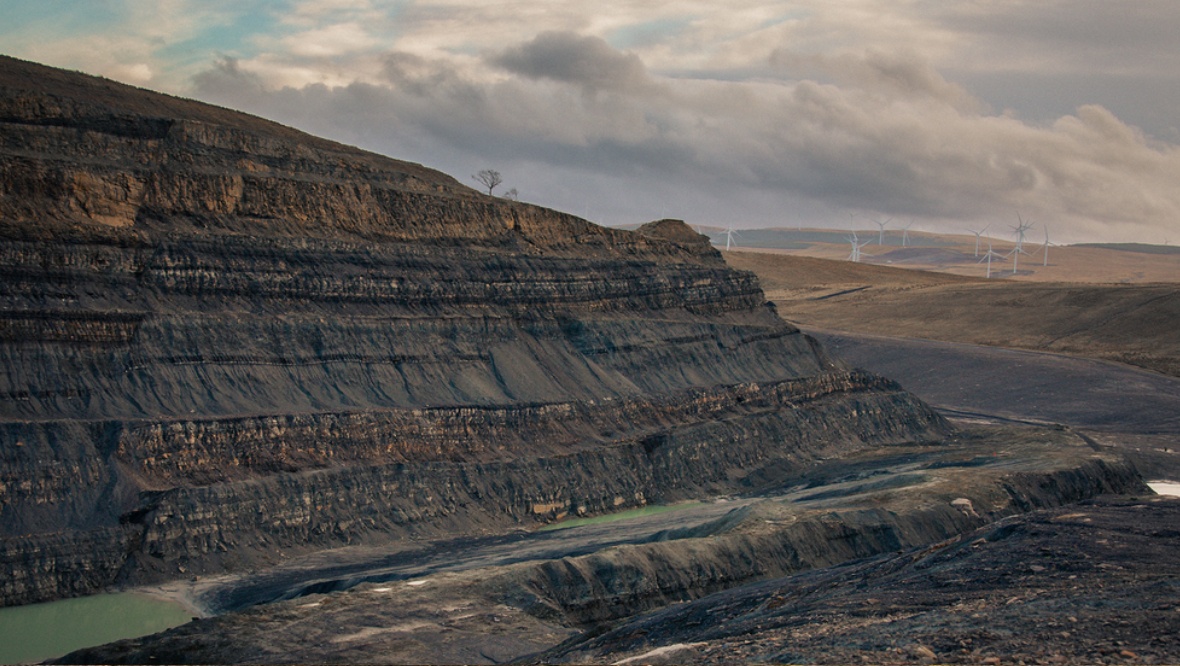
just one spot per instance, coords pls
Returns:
(224, 341)
(206, 496)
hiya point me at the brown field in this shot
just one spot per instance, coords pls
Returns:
(1133, 323)
(956, 255)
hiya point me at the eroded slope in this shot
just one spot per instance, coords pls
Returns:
(225, 342)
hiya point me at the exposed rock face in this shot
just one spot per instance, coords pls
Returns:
(526, 601)
(224, 340)
(1085, 584)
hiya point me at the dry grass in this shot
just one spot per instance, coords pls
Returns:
(1138, 324)
(956, 255)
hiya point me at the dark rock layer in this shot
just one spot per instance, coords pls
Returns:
(225, 341)
(1089, 583)
(584, 598)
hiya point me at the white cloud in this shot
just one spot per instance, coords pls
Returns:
(120, 39)
(331, 41)
(887, 135)
(762, 112)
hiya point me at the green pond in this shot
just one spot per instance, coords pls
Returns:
(622, 515)
(44, 631)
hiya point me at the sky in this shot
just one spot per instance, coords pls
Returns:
(948, 115)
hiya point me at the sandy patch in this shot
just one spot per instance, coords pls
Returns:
(658, 652)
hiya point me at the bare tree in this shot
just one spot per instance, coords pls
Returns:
(512, 195)
(490, 179)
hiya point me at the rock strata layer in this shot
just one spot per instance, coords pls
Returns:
(225, 342)
(591, 592)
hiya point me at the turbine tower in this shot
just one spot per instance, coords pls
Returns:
(1019, 231)
(977, 235)
(854, 255)
(988, 258)
(881, 233)
(1015, 254)
(729, 234)
(1046, 260)
(905, 234)
(857, 246)
(1019, 249)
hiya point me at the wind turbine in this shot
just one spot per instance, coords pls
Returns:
(1019, 231)
(1046, 260)
(1019, 249)
(858, 250)
(905, 234)
(857, 246)
(988, 258)
(729, 234)
(977, 235)
(854, 255)
(1015, 254)
(881, 233)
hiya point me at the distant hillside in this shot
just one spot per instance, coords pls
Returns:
(803, 274)
(1134, 247)
(1134, 324)
(1122, 263)
(801, 239)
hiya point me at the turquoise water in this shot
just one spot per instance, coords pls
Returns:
(43, 631)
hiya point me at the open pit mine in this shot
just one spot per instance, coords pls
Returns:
(230, 347)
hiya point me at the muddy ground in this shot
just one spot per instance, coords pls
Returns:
(1094, 583)
(514, 597)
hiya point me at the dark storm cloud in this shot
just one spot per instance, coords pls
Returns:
(877, 131)
(571, 58)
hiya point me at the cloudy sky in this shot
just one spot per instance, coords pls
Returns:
(948, 114)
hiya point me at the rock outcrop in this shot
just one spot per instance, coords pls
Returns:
(592, 593)
(225, 341)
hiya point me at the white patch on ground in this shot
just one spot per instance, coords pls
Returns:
(416, 583)
(381, 589)
(1165, 487)
(658, 652)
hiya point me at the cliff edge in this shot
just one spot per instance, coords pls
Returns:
(226, 342)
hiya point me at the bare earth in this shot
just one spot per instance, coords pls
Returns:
(506, 598)
(1065, 585)
(1130, 323)
(1090, 583)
